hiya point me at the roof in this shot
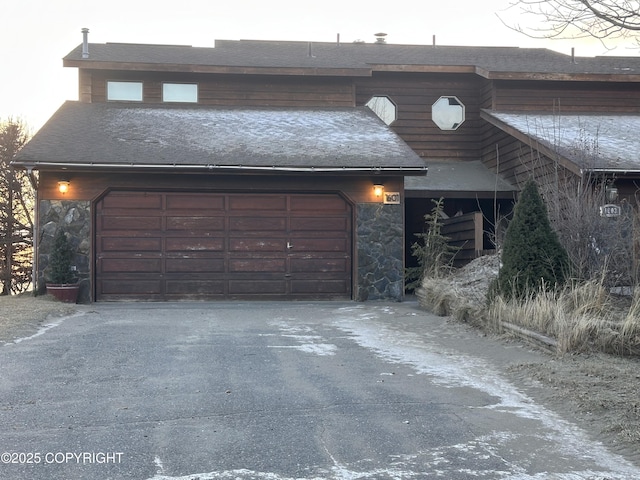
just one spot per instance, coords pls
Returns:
(116, 135)
(593, 142)
(457, 177)
(322, 58)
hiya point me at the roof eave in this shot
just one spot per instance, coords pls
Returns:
(223, 69)
(556, 76)
(61, 166)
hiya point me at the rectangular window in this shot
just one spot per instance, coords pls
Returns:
(180, 92)
(124, 91)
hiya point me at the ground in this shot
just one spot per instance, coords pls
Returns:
(600, 392)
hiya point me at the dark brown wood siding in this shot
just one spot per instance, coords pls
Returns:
(518, 162)
(238, 90)
(566, 97)
(183, 245)
(414, 94)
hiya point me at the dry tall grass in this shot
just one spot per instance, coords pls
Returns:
(582, 317)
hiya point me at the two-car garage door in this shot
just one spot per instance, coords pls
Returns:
(177, 245)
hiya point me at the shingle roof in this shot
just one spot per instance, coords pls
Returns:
(362, 58)
(122, 135)
(599, 142)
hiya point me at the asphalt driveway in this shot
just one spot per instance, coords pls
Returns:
(277, 391)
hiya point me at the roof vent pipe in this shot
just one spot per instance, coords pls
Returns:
(85, 43)
(380, 38)
(573, 55)
(434, 40)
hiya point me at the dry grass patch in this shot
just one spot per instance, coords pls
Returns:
(23, 314)
(582, 317)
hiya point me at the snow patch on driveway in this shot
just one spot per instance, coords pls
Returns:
(452, 369)
(308, 340)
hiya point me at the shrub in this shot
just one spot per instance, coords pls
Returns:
(59, 271)
(532, 256)
(433, 252)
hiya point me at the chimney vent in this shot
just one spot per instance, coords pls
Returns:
(85, 43)
(380, 38)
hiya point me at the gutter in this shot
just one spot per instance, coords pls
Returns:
(32, 179)
(214, 167)
(622, 171)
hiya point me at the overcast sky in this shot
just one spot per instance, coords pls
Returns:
(36, 34)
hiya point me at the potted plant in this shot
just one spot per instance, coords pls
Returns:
(62, 283)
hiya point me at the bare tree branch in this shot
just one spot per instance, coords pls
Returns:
(600, 19)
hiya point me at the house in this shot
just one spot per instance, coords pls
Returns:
(263, 169)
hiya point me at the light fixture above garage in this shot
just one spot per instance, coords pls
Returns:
(63, 186)
(378, 190)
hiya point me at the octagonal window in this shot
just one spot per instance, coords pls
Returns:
(448, 113)
(384, 108)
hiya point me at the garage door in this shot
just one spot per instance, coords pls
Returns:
(177, 246)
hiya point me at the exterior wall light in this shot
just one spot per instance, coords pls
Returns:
(612, 193)
(378, 190)
(63, 186)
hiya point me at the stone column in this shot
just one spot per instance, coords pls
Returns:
(74, 217)
(380, 250)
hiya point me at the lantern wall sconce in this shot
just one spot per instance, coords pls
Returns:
(611, 193)
(63, 186)
(378, 190)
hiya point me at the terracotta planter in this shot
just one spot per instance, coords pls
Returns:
(67, 292)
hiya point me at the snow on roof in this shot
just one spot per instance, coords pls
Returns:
(599, 142)
(112, 134)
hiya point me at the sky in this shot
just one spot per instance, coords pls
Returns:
(37, 34)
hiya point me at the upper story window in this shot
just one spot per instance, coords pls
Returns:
(180, 92)
(448, 113)
(124, 91)
(384, 108)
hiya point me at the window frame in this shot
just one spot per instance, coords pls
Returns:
(186, 84)
(125, 98)
(459, 103)
(390, 100)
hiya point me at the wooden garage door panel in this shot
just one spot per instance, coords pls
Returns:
(131, 244)
(128, 223)
(129, 200)
(327, 286)
(206, 224)
(257, 202)
(195, 288)
(257, 244)
(272, 265)
(257, 224)
(194, 244)
(176, 245)
(318, 245)
(194, 265)
(131, 265)
(123, 288)
(251, 287)
(318, 265)
(196, 201)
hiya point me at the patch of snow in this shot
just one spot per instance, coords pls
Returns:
(451, 369)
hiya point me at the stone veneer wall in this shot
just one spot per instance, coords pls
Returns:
(380, 250)
(75, 218)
